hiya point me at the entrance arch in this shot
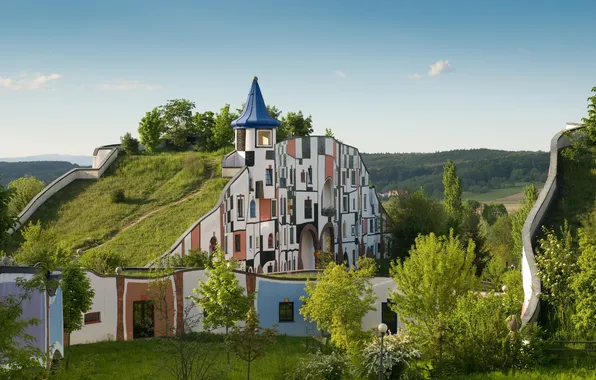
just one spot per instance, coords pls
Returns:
(327, 241)
(328, 198)
(308, 246)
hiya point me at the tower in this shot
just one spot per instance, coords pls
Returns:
(255, 141)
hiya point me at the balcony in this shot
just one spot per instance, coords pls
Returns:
(328, 211)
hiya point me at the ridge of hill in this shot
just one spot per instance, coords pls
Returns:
(46, 171)
(481, 170)
(163, 195)
(77, 160)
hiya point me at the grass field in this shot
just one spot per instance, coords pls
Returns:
(509, 196)
(164, 194)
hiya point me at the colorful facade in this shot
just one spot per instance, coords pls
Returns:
(287, 201)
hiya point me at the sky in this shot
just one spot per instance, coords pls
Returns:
(385, 76)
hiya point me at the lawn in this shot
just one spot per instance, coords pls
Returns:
(142, 359)
(164, 194)
(554, 373)
(494, 195)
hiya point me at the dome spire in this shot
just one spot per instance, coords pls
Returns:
(255, 114)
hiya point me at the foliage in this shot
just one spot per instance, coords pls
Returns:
(6, 220)
(514, 293)
(413, 214)
(129, 144)
(499, 241)
(19, 358)
(205, 130)
(519, 217)
(178, 121)
(77, 298)
(491, 212)
(117, 196)
(151, 128)
(590, 121)
(556, 260)
(321, 367)
(294, 124)
(192, 259)
(250, 342)
(221, 297)
(398, 355)
(329, 132)
(469, 230)
(323, 258)
(223, 133)
(584, 285)
(339, 299)
(22, 191)
(452, 191)
(438, 271)
(39, 248)
(480, 170)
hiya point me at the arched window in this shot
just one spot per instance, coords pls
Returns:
(253, 209)
(270, 240)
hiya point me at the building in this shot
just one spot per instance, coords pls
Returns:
(288, 200)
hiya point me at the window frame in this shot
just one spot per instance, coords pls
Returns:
(240, 207)
(268, 177)
(95, 317)
(253, 209)
(237, 243)
(308, 207)
(287, 307)
(270, 138)
(270, 243)
(274, 208)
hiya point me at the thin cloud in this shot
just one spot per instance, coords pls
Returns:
(440, 67)
(128, 86)
(340, 73)
(29, 82)
(414, 76)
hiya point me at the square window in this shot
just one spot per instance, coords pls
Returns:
(274, 208)
(263, 138)
(91, 318)
(286, 311)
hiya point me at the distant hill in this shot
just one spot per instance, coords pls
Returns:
(79, 160)
(481, 170)
(46, 171)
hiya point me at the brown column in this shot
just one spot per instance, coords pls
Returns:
(179, 289)
(120, 324)
(251, 285)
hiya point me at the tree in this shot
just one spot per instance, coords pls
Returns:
(469, 230)
(519, 217)
(590, 121)
(6, 220)
(294, 124)
(23, 190)
(452, 194)
(584, 284)
(249, 343)
(491, 212)
(498, 240)
(223, 133)
(151, 129)
(221, 297)
(438, 271)
(39, 248)
(338, 301)
(205, 129)
(77, 298)
(129, 144)
(413, 214)
(179, 123)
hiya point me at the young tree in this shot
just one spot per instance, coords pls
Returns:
(129, 144)
(177, 116)
(221, 297)
(590, 121)
(223, 133)
(338, 301)
(519, 217)
(23, 190)
(584, 285)
(452, 195)
(205, 129)
(39, 248)
(77, 298)
(151, 129)
(249, 343)
(429, 282)
(491, 212)
(295, 124)
(6, 220)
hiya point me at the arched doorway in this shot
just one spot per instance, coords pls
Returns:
(327, 242)
(307, 248)
(328, 199)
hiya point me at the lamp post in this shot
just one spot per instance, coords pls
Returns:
(382, 328)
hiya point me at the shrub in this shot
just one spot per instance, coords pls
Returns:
(321, 367)
(117, 196)
(129, 144)
(398, 355)
(527, 348)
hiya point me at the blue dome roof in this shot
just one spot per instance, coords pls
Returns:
(255, 112)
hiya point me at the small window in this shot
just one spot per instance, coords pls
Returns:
(264, 138)
(308, 209)
(343, 228)
(364, 202)
(91, 318)
(282, 209)
(343, 178)
(309, 175)
(353, 230)
(250, 242)
(290, 206)
(270, 241)
(269, 177)
(240, 211)
(354, 204)
(282, 177)
(345, 203)
(253, 209)
(237, 243)
(372, 227)
(303, 176)
(291, 175)
(274, 208)
(353, 177)
(258, 242)
(286, 311)
(291, 235)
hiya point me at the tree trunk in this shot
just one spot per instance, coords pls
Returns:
(248, 372)
(68, 352)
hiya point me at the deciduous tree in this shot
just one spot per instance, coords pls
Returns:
(294, 124)
(452, 194)
(491, 212)
(584, 285)
(338, 301)
(205, 129)
(6, 220)
(77, 298)
(23, 190)
(590, 120)
(151, 129)
(223, 133)
(177, 116)
(519, 217)
(129, 144)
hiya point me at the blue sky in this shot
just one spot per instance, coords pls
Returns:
(78, 74)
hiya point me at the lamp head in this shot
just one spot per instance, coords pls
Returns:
(382, 328)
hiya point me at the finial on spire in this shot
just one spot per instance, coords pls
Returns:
(255, 79)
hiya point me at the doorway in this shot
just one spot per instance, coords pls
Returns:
(143, 321)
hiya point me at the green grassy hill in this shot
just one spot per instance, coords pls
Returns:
(164, 194)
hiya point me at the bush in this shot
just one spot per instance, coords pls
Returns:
(321, 367)
(398, 355)
(129, 144)
(117, 196)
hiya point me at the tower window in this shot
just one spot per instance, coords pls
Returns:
(264, 138)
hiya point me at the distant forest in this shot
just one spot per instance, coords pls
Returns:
(480, 170)
(46, 171)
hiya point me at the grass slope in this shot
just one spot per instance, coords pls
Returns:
(84, 216)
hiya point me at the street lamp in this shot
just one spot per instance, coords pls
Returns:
(382, 328)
